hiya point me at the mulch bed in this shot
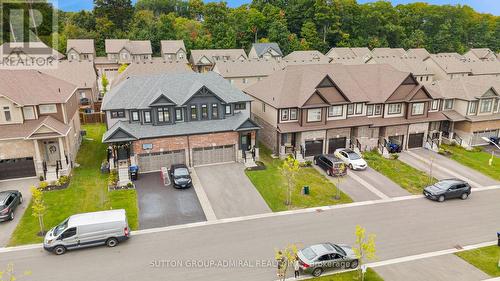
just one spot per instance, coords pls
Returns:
(56, 187)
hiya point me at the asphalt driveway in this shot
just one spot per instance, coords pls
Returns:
(23, 185)
(230, 192)
(444, 167)
(161, 205)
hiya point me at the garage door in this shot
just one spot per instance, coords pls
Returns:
(17, 168)
(477, 136)
(415, 140)
(150, 162)
(335, 143)
(213, 155)
(314, 147)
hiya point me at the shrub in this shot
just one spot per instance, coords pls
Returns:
(394, 156)
(113, 178)
(130, 185)
(63, 180)
(477, 149)
(40, 178)
(43, 185)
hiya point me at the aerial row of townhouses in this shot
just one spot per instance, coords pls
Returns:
(214, 106)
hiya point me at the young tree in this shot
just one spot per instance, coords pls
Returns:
(120, 70)
(364, 248)
(285, 258)
(38, 206)
(340, 179)
(289, 170)
(105, 83)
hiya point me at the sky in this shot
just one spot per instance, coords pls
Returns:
(483, 6)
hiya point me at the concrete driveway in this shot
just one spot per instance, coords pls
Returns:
(161, 205)
(23, 185)
(440, 268)
(230, 192)
(444, 167)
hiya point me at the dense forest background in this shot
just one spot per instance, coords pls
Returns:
(293, 24)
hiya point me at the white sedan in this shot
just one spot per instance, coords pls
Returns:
(351, 158)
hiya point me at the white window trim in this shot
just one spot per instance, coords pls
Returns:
(413, 105)
(312, 115)
(398, 105)
(53, 108)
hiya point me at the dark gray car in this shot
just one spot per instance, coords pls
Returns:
(181, 177)
(317, 258)
(448, 189)
(9, 200)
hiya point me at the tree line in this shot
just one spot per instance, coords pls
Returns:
(293, 24)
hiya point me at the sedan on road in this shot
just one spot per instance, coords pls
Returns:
(9, 200)
(351, 158)
(317, 258)
(447, 189)
(181, 178)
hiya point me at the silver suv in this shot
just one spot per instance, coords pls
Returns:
(317, 258)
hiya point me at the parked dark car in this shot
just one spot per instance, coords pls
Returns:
(448, 189)
(332, 165)
(9, 200)
(317, 258)
(180, 176)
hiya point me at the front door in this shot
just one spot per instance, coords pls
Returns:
(52, 152)
(245, 142)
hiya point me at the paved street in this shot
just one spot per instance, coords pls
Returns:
(161, 205)
(403, 227)
(23, 185)
(444, 167)
(230, 192)
(441, 268)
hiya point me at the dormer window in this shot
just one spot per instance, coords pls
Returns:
(215, 111)
(163, 115)
(204, 112)
(135, 115)
(147, 116)
(6, 112)
(194, 112)
(486, 105)
(417, 108)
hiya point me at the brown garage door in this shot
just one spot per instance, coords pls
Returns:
(213, 155)
(314, 147)
(335, 143)
(151, 162)
(17, 168)
(415, 140)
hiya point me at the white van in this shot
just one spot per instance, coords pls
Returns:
(86, 230)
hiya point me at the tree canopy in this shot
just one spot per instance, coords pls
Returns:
(293, 24)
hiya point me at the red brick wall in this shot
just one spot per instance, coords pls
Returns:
(177, 143)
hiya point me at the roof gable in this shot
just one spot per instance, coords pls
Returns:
(331, 92)
(204, 92)
(315, 100)
(247, 125)
(490, 93)
(161, 100)
(420, 94)
(119, 134)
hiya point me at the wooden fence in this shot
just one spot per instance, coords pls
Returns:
(91, 118)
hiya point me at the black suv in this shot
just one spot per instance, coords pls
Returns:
(181, 178)
(447, 189)
(9, 200)
(332, 165)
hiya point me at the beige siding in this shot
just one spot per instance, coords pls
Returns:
(16, 113)
(270, 115)
(16, 149)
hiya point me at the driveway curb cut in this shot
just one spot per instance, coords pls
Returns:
(202, 197)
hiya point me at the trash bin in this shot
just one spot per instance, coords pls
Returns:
(305, 190)
(134, 170)
(498, 236)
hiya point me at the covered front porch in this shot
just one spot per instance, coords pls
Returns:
(52, 157)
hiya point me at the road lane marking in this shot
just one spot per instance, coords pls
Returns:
(436, 165)
(202, 197)
(368, 186)
(258, 216)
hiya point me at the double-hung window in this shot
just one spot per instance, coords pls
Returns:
(163, 115)
(7, 115)
(135, 115)
(448, 104)
(359, 108)
(350, 109)
(486, 105)
(394, 108)
(369, 109)
(435, 105)
(204, 112)
(335, 110)
(378, 109)
(284, 114)
(194, 112)
(178, 114)
(293, 113)
(215, 111)
(473, 107)
(147, 116)
(417, 108)
(314, 115)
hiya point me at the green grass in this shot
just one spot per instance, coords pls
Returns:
(370, 275)
(272, 186)
(477, 160)
(405, 175)
(485, 259)
(87, 192)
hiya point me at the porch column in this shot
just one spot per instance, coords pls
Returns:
(38, 158)
(64, 166)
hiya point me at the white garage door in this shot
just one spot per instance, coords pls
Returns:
(151, 162)
(477, 136)
(213, 154)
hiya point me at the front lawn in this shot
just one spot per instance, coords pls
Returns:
(475, 159)
(87, 192)
(272, 186)
(401, 173)
(370, 275)
(486, 259)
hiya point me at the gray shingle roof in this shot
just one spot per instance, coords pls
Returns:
(139, 131)
(139, 91)
(261, 48)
